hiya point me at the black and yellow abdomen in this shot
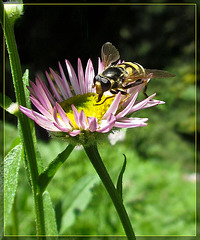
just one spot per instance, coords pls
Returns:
(132, 69)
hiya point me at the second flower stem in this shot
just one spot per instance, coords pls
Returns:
(97, 162)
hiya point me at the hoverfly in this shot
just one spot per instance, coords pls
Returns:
(120, 77)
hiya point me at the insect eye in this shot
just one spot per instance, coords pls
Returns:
(105, 84)
(97, 78)
(105, 80)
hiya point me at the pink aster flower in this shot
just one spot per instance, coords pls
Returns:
(70, 110)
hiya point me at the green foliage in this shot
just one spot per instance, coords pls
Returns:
(120, 178)
(75, 201)
(25, 79)
(11, 169)
(10, 139)
(50, 218)
(47, 175)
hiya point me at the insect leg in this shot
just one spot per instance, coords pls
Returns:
(99, 97)
(122, 92)
(145, 89)
(136, 83)
(118, 90)
(104, 100)
(113, 92)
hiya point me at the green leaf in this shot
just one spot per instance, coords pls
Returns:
(1, 198)
(46, 176)
(49, 215)
(11, 169)
(25, 80)
(120, 178)
(76, 200)
(9, 137)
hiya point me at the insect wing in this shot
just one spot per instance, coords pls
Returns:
(109, 54)
(159, 73)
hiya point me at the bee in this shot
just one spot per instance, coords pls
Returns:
(120, 77)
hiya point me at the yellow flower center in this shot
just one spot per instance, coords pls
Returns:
(88, 103)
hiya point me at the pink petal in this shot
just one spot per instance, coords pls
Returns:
(74, 133)
(82, 120)
(59, 123)
(107, 125)
(39, 106)
(152, 103)
(49, 95)
(59, 83)
(44, 122)
(81, 76)
(36, 91)
(63, 116)
(130, 122)
(93, 124)
(76, 115)
(129, 125)
(73, 78)
(27, 112)
(128, 107)
(65, 83)
(113, 107)
(132, 91)
(136, 120)
(100, 66)
(53, 88)
(140, 105)
(32, 92)
(89, 76)
(43, 97)
(62, 129)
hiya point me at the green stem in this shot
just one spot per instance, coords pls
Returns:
(25, 133)
(97, 162)
(46, 176)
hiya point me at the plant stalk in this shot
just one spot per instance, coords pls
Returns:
(25, 133)
(97, 163)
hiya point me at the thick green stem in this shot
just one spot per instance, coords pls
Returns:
(96, 161)
(25, 133)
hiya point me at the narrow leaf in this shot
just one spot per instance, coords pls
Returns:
(11, 169)
(76, 200)
(53, 167)
(25, 80)
(120, 178)
(49, 215)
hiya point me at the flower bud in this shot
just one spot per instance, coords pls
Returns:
(14, 10)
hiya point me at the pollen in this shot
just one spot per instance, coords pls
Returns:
(88, 103)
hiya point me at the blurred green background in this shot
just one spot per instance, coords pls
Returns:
(159, 185)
